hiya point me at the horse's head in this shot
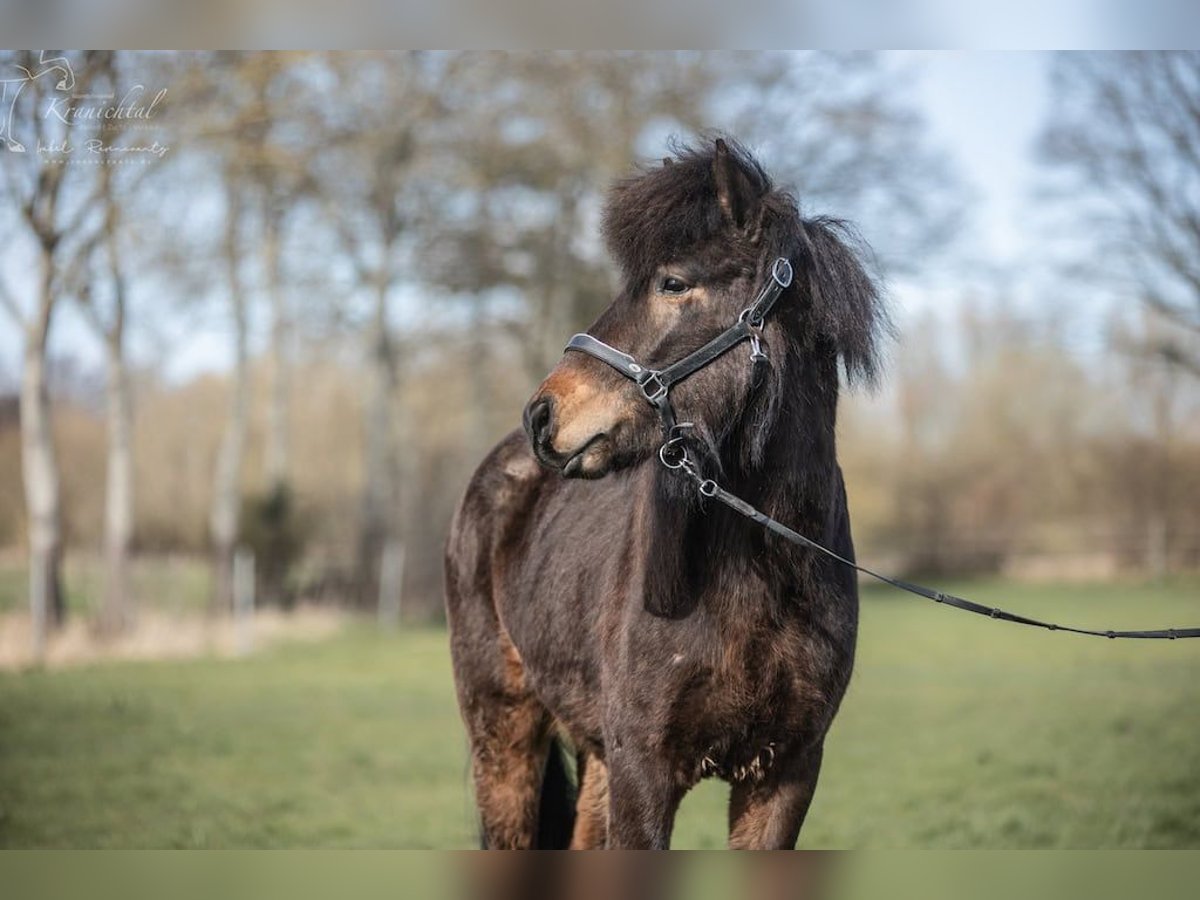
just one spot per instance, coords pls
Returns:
(695, 239)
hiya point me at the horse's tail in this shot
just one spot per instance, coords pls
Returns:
(556, 808)
(556, 803)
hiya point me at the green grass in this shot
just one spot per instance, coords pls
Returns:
(957, 732)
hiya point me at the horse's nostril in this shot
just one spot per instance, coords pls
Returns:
(538, 421)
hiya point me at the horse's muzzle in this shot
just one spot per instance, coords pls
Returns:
(590, 460)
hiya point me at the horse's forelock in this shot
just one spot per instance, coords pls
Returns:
(666, 211)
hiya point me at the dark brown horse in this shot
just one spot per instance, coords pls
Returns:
(596, 601)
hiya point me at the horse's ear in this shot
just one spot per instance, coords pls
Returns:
(737, 192)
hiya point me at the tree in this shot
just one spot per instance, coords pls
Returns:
(272, 156)
(1151, 482)
(227, 475)
(367, 184)
(541, 136)
(841, 129)
(241, 110)
(1125, 129)
(108, 316)
(53, 203)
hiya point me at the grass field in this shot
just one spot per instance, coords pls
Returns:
(957, 732)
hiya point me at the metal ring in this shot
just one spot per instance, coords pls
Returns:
(662, 454)
(708, 487)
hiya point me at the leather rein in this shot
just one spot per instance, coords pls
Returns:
(655, 386)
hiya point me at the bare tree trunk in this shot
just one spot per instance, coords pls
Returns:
(278, 443)
(380, 475)
(226, 504)
(115, 615)
(42, 493)
(118, 503)
(39, 206)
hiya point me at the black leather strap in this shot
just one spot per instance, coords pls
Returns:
(710, 489)
(781, 277)
(710, 352)
(622, 362)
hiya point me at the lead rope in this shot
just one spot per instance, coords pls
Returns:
(674, 456)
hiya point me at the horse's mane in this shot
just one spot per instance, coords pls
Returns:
(665, 211)
(782, 447)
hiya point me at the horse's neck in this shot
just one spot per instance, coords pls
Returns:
(796, 478)
(699, 549)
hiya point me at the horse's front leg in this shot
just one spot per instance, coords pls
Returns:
(643, 796)
(767, 814)
(591, 807)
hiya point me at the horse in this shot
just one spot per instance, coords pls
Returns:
(11, 88)
(604, 616)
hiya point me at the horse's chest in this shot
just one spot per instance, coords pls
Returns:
(730, 710)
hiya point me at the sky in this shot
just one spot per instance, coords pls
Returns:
(987, 109)
(984, 109)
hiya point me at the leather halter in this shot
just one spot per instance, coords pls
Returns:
(656, 384)
(656, 387)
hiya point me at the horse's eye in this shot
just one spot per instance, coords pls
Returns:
(672, 285)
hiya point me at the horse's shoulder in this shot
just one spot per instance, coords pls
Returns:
(507, 475)
(510, 464)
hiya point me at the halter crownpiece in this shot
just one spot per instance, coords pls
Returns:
(656, 384)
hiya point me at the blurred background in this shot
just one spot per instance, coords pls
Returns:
(261, 314)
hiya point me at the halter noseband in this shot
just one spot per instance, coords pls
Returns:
(656, 384)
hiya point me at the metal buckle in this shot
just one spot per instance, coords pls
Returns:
(652, 387)
(752, 319)
(755, 324)
(782, 271)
